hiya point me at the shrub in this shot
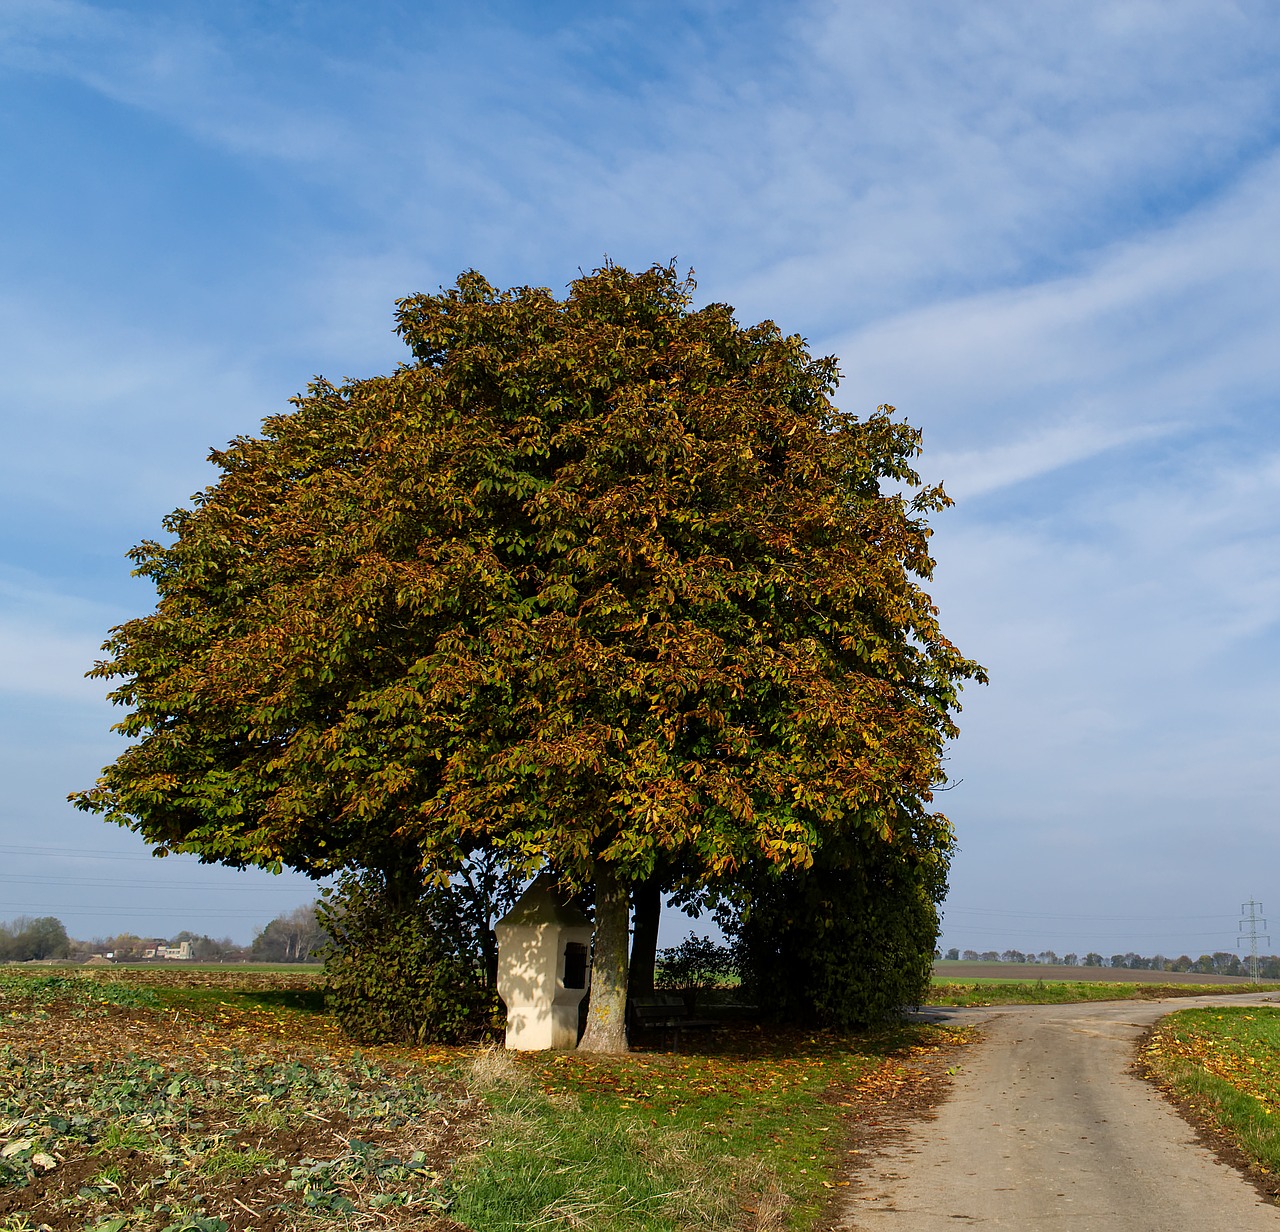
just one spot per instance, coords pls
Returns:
(397, 966)
(843, 944)
(693, 966)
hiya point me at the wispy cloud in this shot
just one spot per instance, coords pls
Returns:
(49, 639)
(110, 421)
(835, 163)
(177, 67)
(1125, 747)
(1170, 334)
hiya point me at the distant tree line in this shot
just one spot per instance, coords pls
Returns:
(1218, 963)
(293, 937)
(129, 947)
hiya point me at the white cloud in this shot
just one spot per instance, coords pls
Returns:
(1124, 750)
(36, 661)
(1164, 336)
(178, 69)
(974, 472)
(109, 422)
(850, 161)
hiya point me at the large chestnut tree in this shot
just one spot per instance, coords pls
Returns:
(605, 584)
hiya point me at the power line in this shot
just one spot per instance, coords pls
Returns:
(74, 853)
(82, 853)
(117, 911)
(1041, 915)
(143, 885)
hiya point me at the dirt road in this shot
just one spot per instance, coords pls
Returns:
(1046, 1128)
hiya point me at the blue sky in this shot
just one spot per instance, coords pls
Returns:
(1046, 233)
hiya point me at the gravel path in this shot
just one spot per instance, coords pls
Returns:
(1046, 1128)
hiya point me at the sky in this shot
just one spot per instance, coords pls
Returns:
(1045, 233)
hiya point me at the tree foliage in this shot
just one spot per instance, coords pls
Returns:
(604, 584)
(211, 949)
(401, 968)
(295, 936)
(27, 939)
(849, 940)
(695, 966)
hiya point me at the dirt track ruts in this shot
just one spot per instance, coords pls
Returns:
(1046, 1127)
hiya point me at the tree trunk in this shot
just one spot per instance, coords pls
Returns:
(489, 948)
(607, 1014)
(644, 938)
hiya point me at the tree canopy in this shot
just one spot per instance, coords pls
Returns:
(28, 939)
(602, 583)
(295, 936)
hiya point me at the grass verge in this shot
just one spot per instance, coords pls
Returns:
(748, 1133)
(1059, 992)
(1222, 1066)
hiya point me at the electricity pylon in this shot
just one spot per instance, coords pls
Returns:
(1250, 930)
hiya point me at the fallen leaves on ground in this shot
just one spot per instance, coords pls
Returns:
(1221, 1067)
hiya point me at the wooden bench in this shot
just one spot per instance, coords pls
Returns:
(666, 1012)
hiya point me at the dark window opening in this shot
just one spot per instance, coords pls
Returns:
(575, 965)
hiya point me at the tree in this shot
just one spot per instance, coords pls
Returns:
(850, 939)
(29, 939)
(378, 936)
(209, 949)
(123, 947)
(953, 954)
(605, 585)
(646, 916)
(400, 970)
(481, 891)
(293, 937)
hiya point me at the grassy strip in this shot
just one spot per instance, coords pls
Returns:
(1058, 992)
(561, 1162)
(75, 990)
(1225, 1063)
(750, 1136)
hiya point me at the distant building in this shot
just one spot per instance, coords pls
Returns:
(179, 951)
